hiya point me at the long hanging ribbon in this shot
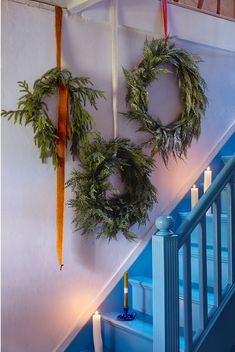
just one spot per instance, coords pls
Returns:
(61, 143)
(164, 5)
(114, 14)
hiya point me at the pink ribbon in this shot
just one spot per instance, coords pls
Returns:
(164, 5)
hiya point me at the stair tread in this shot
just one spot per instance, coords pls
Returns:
(104, 350)
(209, 217)
(147, 282)
(144, 280)
(209, 250)
(226, 158)
(141, 325)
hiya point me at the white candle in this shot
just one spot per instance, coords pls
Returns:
(207, 178)
(194, 196)
(97, 339)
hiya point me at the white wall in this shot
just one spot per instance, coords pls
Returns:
(40, 304)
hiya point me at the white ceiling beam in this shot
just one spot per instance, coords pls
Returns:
(80, 5)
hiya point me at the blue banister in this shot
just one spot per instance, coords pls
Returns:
(165, 250)
(206, 200)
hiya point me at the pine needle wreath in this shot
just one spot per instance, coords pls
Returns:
(33, 110)
(95, 212)
(176, 137)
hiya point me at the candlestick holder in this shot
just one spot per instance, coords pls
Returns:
(126, 316)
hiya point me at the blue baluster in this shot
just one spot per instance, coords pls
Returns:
(165, 287)
(203, 316)
(231, 226)
(217, 251)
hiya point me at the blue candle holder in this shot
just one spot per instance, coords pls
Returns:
(126, 316)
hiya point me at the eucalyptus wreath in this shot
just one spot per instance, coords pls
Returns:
(176, 137)
(98, 206)
(33, 110)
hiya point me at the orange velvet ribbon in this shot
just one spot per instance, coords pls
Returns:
(63, 128)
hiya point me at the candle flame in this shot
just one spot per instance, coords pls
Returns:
(194, 186)
(208, 169)
(96, 312)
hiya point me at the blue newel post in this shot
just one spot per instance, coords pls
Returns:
(165, 287)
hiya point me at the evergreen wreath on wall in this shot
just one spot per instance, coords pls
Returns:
(176, 137)
(33, 110)
(99, 207)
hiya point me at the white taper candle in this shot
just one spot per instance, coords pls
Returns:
(97, 338)
(207, 178)
(194, 196)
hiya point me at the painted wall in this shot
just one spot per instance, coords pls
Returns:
(40, 304)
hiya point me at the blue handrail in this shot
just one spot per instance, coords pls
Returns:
(206, 201)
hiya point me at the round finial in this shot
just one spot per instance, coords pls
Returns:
(164, 224)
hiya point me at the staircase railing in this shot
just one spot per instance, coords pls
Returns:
(200, 4)
(166, 246)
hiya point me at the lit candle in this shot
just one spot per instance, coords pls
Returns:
(194, 196)
(126, 289)
(207, 178)
(97, 339)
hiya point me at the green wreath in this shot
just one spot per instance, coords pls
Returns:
(34, 111)
(95, 212)
(176, 137)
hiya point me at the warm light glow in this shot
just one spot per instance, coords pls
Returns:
(194, 186)
(96, 312)
(208, 169)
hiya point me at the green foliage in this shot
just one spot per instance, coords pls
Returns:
(98, 206)
(33, 110)
(176, 137)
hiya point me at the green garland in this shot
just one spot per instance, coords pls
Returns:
(176, 137)
(94, 211)
(34, 111)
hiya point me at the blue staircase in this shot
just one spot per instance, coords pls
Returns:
(137, 335)
(192, 280)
